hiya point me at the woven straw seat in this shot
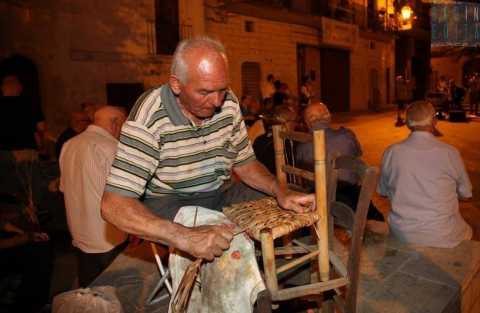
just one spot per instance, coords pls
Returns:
(253, 216)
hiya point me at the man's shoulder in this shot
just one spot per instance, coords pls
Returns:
(344, 131)
(147, 104)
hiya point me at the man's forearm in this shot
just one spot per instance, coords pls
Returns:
(257, 176)
(131, 216)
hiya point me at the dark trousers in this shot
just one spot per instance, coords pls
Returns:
(348, 193)
(167, 206)
(90, 265)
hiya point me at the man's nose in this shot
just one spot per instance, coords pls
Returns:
(216, 98)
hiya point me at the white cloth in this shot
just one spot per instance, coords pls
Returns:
(423, 178)
(85, 162)
(231, 282)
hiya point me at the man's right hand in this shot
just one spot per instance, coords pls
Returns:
(208, 241)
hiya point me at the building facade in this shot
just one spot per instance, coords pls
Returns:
(109, 52)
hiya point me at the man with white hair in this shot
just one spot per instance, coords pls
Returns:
(178, 150)
(85, 162)
(424, 178)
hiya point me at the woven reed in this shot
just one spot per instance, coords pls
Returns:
(253, 216)
(184, 291)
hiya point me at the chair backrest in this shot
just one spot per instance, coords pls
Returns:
(288, 171)
(319, 176)
(356, 220)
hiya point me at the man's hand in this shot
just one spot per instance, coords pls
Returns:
(295, 201)
(208, 241)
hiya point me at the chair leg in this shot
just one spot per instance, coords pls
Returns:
(328, 306)
(268, 255)
(264, 302)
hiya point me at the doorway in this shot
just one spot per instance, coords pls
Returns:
(335, 79)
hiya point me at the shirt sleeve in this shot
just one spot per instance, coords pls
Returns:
(464, 186)
(241, 142)
(135, 162)
(383, 188)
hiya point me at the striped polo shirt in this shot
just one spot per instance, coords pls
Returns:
(162, 152)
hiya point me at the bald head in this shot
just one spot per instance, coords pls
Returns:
(111, 119)
(317, 114)
(197, 54)
(421, 116)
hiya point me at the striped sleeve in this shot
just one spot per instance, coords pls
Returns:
(241, 142)
(135, 162)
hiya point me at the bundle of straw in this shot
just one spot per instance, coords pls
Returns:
(184, 290)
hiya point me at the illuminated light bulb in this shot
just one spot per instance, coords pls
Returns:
(406, 12)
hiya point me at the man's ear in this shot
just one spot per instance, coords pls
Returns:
(175, 84)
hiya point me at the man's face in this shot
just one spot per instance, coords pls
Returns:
(204, 91)
(79, 122)
(11, 86)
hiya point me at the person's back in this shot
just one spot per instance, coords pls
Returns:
(423, 178)
(339, 142)
(85, 162)
(87, 226)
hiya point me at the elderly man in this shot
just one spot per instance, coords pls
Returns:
(424, 178)
(179, 147)
(85, 162)
(339, 142)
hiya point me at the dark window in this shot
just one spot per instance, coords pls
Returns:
(123, 94)
(166, 26)
(249, 26)
(251, 79)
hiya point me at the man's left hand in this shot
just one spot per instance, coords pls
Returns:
(296, 201)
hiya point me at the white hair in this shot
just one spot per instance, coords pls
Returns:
(420, 114)
(179, 67)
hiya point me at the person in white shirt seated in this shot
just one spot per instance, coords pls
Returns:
(85, 162)
(424, 178)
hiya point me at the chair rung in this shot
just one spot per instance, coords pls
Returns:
(297, 261)
(298, 172)
(297, 136)
(294, 250)
(316, 288)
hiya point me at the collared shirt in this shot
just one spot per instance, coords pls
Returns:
(162, 152)
(423, 178)
(85, 161)
(339, 142)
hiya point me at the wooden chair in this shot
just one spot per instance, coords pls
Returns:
(265, 221)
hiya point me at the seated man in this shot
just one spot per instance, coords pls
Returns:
(339, 142)
(84, 164)
(179, 149)
(423, 178)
